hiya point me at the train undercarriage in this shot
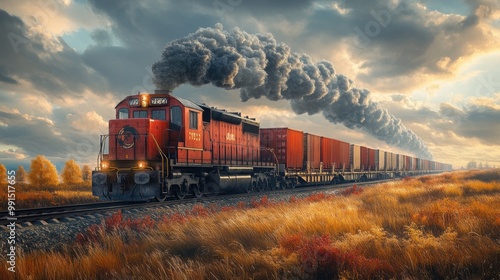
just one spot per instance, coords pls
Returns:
(133, 184)
(197, 181)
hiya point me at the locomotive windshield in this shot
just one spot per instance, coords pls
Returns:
(123, 113)
(142, 114)
(158, 114)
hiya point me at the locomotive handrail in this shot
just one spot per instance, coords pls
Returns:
(101, 151)
(163, 158)
(275, 157)
(186, 148)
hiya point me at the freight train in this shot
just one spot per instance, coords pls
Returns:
(163, 146)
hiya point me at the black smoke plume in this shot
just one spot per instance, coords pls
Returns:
(259, 66)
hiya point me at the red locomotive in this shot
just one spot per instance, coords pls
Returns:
(160, 145)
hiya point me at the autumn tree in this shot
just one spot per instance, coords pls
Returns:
(86, 174)
(42, 172)
(3, 175)
(72, 174)
(21, 175)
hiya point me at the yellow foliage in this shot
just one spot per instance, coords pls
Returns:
(43, 172)
(87, 174)
(21, 176)
(3, 175)
(72, 174)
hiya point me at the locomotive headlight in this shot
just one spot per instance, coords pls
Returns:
(104, 165)
(144, 100)
(141, 178)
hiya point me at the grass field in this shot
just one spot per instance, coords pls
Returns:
(432, 227)
(28, 196)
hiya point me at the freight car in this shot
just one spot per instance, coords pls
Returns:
(162, 146)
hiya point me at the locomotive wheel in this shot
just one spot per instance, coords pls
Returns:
(196, 191)
(181, 191)
(179, 194)
(266, 185)
(271, 184)
(212, 189)
(248, 188)
(283, 185)
(260, 185)
(161, 197)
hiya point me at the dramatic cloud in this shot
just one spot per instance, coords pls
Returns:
(396, 45)
(46, 62)
(479, 122)
(259, 66)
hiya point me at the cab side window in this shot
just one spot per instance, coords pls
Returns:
(193, 120)
(176, 115)
(123, 113)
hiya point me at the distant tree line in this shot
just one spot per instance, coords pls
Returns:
(44, 173)
(475, 165)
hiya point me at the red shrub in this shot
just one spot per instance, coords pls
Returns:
(175, 218)
(113, 223)
(91, 235)
(263, 202)
(352, 190)
(213, 208)
(324, 261)
(293, 199)
(241, 205)
(315, 197)
(198, 210)
(227, 208)
(140, 224)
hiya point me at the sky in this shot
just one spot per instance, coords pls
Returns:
(65, 64)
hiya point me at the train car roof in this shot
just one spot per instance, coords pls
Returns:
(187, 103)
(229, 117)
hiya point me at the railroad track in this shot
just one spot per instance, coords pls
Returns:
(57, 213)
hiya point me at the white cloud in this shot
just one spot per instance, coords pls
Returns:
(90, 122)
(55, 17)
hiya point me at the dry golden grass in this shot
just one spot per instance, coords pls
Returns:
(431, 227)
(28, 196)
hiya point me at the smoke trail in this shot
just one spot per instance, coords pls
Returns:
(259, 66)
